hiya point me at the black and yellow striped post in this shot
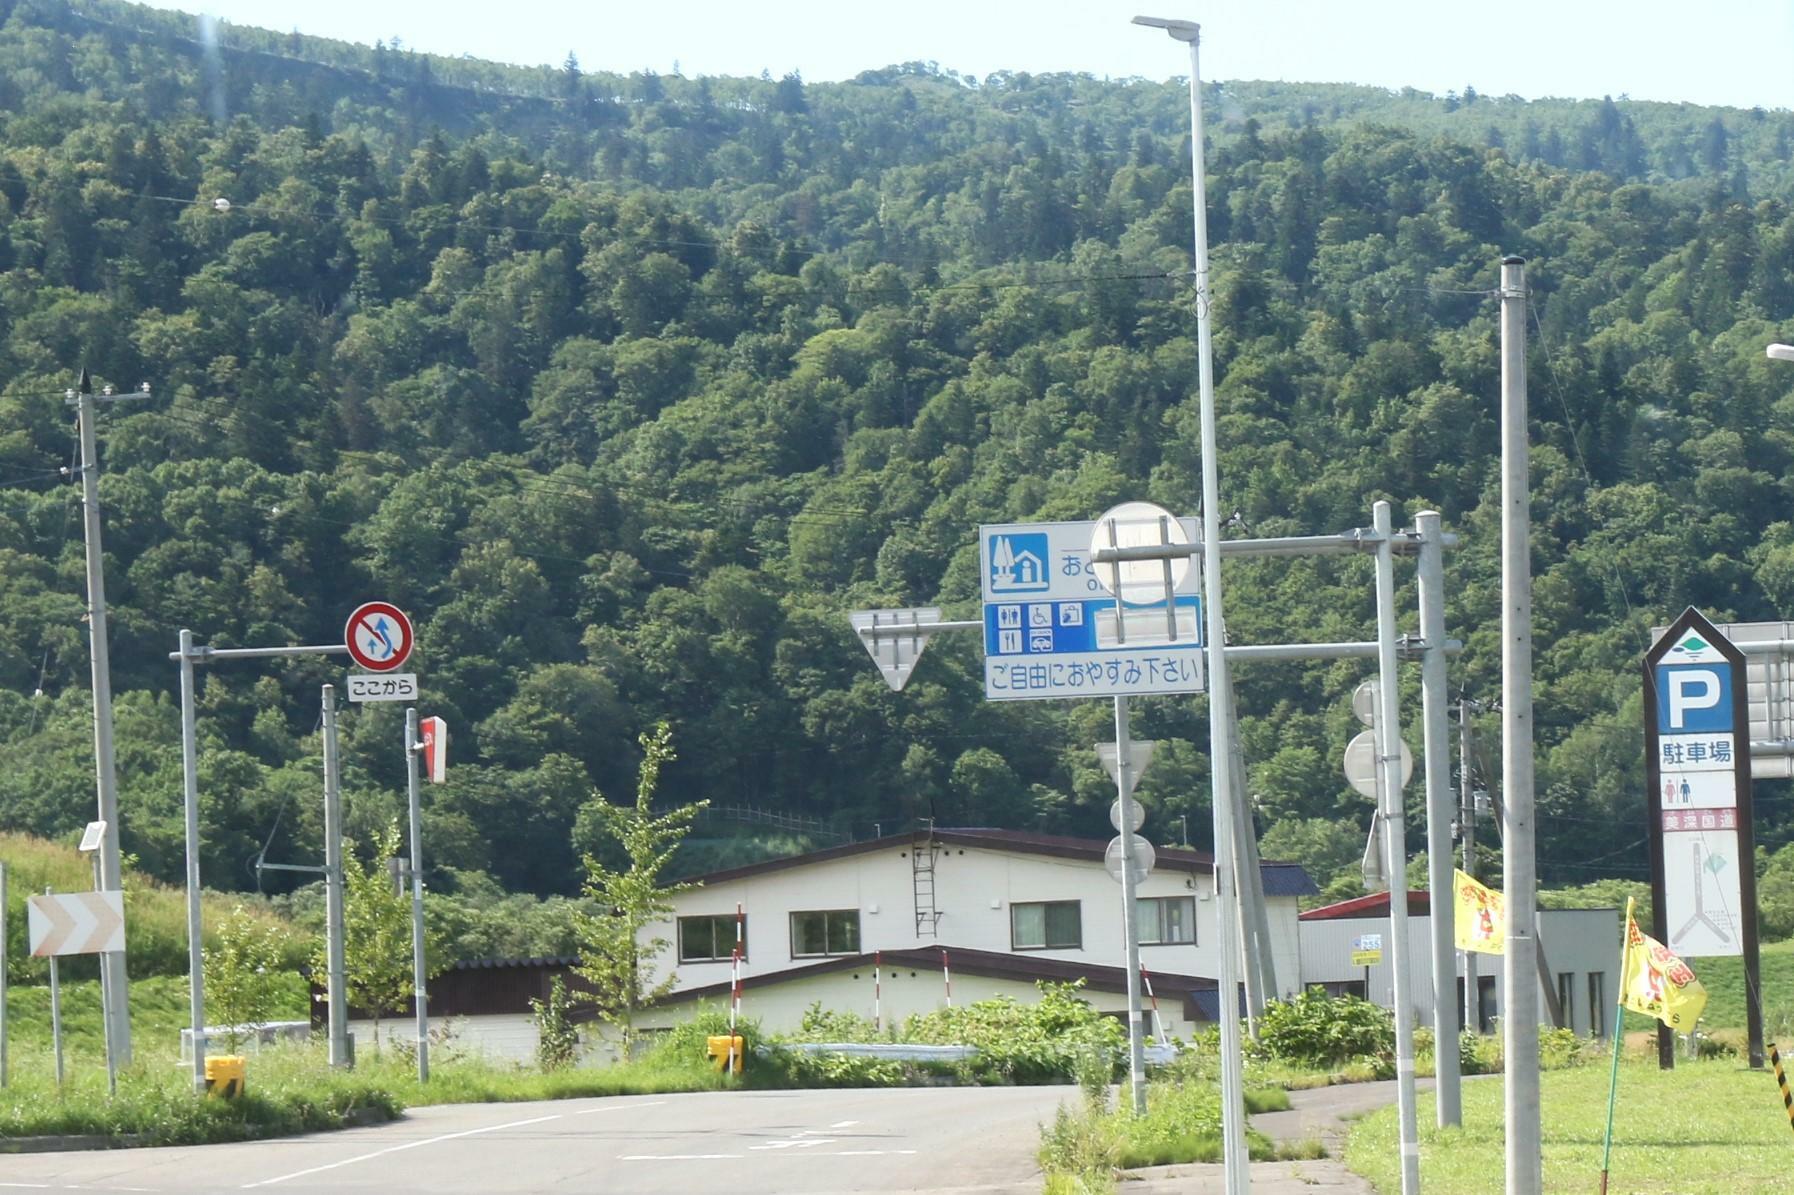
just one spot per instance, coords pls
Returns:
(1781, 1079)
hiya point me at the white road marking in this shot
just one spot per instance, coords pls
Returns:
(677, 1157)
(795, 1143)
(844, 1124)
(30, 1186)
(393, 1149)
(618, 1108)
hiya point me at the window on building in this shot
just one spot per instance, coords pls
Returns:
(824, 932)
(709, 939)
(1566, 998)
(1046, 925)
(1597, 1005)
(1165, 920)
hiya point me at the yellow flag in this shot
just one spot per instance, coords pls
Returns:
(1481, 916)
(1657, 983)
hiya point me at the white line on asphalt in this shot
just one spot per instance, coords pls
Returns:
(676, 1157)
(618, 1108)
(31, 1186)
(844, 1124)
(393, 1149)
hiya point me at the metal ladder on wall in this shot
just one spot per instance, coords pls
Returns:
(921, 864)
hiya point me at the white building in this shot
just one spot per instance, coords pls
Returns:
(997, 909)
(1581, 949)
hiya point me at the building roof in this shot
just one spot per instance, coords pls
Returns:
(1374, 905)
(987, 964)
(1280, 879)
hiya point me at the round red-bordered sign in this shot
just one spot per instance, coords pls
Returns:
(378, 636)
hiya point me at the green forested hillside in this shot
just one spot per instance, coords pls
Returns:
(629, 388)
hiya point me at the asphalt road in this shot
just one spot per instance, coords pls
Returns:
(946, 1139)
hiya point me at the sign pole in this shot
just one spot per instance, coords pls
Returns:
(419, 996)
(1389, 733)
(3, 1059)
(1130, 935)
(1436, 739)
(55, 1011)
(336, 984)
(196, 982)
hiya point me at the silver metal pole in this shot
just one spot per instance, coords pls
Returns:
(1234, 1159)
(1436, 732)
(1473, 1003)
(111, 1060)
(419, 995)
(1519, 982)
(336, 986)
(115, 992)
(1395, 851)
(4, 1071)
(55, 1011)
(1255, 925)
(196, 975)
(1130, 936)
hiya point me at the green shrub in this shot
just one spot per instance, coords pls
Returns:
(557, 1038)
(1319, 1030)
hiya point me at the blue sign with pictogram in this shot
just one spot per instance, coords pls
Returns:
(1052, 631)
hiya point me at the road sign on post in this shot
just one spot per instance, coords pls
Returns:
(378, 636)
(433, 735)
(77, 923)
(895, 653)
(1052, 631)
(1697, 767)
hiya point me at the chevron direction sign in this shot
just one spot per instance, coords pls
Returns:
(77, 923)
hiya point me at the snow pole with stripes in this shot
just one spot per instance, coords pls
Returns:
(878, 1014)
(1781, 1080)
(1158, 1022)
(947, 976)
(735, 987)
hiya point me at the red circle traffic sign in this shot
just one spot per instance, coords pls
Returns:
(378, 636)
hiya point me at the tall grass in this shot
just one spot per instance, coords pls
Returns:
(155, 914)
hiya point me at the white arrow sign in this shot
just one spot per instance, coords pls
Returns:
(77, 923)
(895, 638)
(1139, 754)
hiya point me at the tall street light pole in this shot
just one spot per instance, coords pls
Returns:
(1220, 686)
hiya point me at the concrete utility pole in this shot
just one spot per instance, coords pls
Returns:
(1436, 730)
(115, 986)
(418, 994)
(336, 964)
(1255, 926)
(1520, 993)
(1467, 830)
(1395, 851)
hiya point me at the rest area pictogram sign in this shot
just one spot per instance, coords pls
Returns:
(1052, 631)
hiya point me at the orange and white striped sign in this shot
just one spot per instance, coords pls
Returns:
(77, 923)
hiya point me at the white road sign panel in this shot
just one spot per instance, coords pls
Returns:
(77, 923)
(1702, 890)
(383, 686)
(1051, 631)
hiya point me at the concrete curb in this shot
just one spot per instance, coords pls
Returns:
(357, 1118)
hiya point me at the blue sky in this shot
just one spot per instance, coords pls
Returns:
(1737, 52)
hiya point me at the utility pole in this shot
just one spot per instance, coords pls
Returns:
(1467, 830)
(335, 962)
(115, 986)
(1436, 731)
(1395, 851)
(1520, 993)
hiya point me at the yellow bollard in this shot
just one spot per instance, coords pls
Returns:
(225, 1076)
(725, 1049)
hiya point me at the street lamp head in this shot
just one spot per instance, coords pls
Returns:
(1781, 352)
(1188, 31)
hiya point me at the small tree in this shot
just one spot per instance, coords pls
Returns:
(614, 957)
(240, 975)
(557, 1038)
(376, 933)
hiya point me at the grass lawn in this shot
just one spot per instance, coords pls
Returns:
(1706, 1127)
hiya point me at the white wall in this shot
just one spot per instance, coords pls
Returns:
(975, 888)
(1578, 941)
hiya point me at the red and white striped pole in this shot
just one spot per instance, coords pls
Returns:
(947, 976)
(735, 987)
(878, 1013)
(1158, 1022)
